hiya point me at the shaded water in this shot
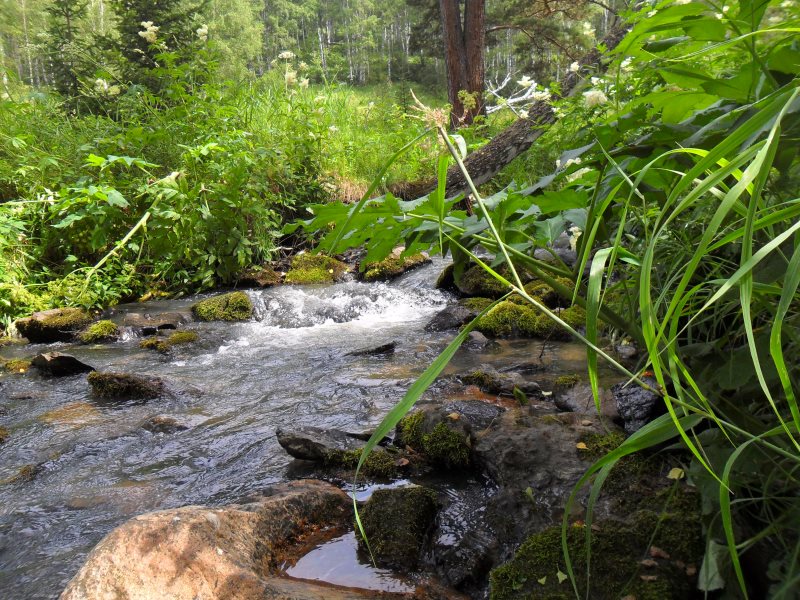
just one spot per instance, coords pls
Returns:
(96, 466)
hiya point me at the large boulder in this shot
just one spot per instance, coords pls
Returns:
(57, 364)
(230, 553)
(54, 325)
(234, 306)
(578, 398)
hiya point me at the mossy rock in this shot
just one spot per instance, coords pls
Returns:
(510, 319)
(567, 381)
(259, 277)
(16, 365)
(544, 293)
(4, 434)
(234, 306)
(475, 304)
(54, 325)
(315, 268)
(616, 565)
(165, 344)
(446, 279)
(439, 438)
(393, 266)
(380, 462)
(7, 340)
(122, 386)
(476, 281)
(101, 331)
(397, 523)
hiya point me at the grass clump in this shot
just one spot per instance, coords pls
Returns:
(234, 306)
(102, 331)
(393, 266)
(315, 268)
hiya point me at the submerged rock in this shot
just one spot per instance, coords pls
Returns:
(233, 306)
(123, 386)
(162, 424)
(378, 350)
(393, 266)
(101, 331)
(636, 405)
(491, 381)
(164, 345)
(229, 553)
(259, 277)
(4, 434)
(57, 364)
(148, 324)
(54, 325)
(579, 399)
(452, 317)
(397, 523)
(315, 268)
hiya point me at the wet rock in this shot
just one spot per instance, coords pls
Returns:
(162, 424)
(120, 387)
(234, 306)
(24, 474)
(377, 351)
(443, 438)
(54, 325)
(4, 434)
(511, 319)
(57, 364)
(164, 345)
(75, 414)
(393, 266)
(15, 365)
(452, 317)
(147, 324)
(476, 281)
(230, 553)
(579, 399)
(6, 340)
(397, 523)
(315, 268)
(446, 279)
(636, 405)
(491, 381)
(335, 448)
(567, 255)
(259, 277)
(479, 415)
(101, 331)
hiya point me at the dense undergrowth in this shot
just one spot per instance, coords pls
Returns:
(681, 180)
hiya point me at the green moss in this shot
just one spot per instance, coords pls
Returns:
(155, 343)
(7, 340)
(4, 434)
(102, 331)
(616, 551)
(315, 268)
(567, 381)
(259, 277)
(393, 266)
(475, 304)
(58, 324)
(600, 444)
(476, 281)
(17, 365)
(410, 429)
(164, 345)
(443, 445)
(485, 381)
(68, 319)
(182, 337)
(379, 462)
(397, 522)
(121, 386)
(545, 327)
(154, 295)
(234, 306)
(508, 319)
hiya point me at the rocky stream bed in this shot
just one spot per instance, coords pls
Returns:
(214, 458)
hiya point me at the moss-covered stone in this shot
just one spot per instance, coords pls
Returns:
(510, 319)
(475, 304)
(397, 523)
(379, 463)
(16, 365)
(476, 281)
(446, 280)
(315, 268)
(441, 441)
(122, 386)
(259, 277)
(567, 381)
(7, 340)
(4, 434)
(616, 566)
(55, 325)
(165, 344)
(574, 316)
(393, 266)
(234, 306)
(101, 331)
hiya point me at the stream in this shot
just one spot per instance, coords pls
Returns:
(96, 466)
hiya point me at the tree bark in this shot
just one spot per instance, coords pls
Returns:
(463, 57)
(485, 163)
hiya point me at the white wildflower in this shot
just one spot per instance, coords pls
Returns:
(726, 9)
(596, 80)
(526, 82)
(543, 96)
(302, 66)
(100, 85)
(574, 67)
(652, 13)
(290, 77)
(578, 174)
(559, 112)
(588, 30)
(787, 4)
(523, 114)
(303, 82)
(625, 65)
(558, 164)
(333, 129)
(682, 1)
(150, 32)
(286, 55)
(718, 15)
(319, 99)
(594, 98)
(202, 33)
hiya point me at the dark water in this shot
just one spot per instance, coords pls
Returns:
(96, 467)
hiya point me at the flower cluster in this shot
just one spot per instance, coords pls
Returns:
(150, 32)
(202, 33)
(101, 86)
(286, 55)
(594, 98)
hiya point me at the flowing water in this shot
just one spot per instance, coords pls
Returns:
(95, 466)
